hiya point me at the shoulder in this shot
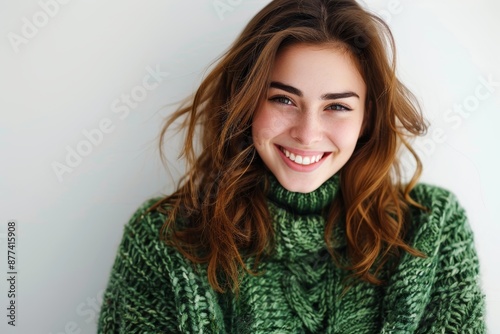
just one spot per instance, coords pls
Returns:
(440, 202)
(443, 221)
(145, 222)
(434, 197)
(441, 289)
(142, 235)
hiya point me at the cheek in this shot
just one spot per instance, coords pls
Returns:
(265, 126)
(258, 130)
(346, 134)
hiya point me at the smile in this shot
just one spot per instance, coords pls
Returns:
(302, 159)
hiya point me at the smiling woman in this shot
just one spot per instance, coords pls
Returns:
(294, 218)
(307, 129)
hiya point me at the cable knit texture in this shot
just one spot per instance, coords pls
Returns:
(154, 289)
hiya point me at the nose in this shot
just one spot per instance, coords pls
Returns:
(307, 128)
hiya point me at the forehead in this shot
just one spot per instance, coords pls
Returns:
(324, 66)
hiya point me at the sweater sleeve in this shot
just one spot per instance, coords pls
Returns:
(139, 297)
(456, 303)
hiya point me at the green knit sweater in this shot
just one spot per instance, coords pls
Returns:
(154, 289)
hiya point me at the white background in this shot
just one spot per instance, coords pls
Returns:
(64, 79)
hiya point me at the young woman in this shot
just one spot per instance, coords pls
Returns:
(294, 217)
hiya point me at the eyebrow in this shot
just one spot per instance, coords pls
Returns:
(296, 91)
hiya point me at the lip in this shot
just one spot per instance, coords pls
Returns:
(302, 168)
(301, 152)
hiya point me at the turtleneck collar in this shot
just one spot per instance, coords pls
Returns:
(303, 203)
(299, 219)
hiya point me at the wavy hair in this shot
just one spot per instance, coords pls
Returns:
(218, 215)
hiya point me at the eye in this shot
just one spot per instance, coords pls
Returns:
(282, 99)
(338, 107)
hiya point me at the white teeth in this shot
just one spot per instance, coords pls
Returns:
(298, 159)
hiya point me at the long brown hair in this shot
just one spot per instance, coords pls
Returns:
(218, 215)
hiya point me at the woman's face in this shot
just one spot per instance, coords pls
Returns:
(307, 126)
